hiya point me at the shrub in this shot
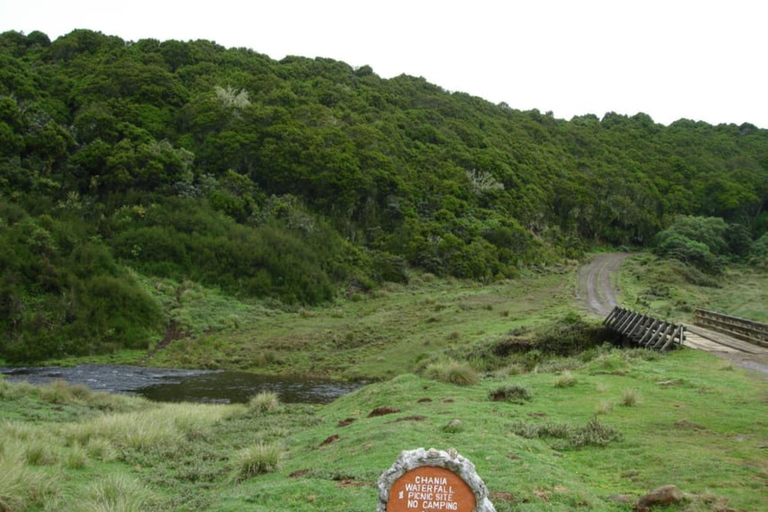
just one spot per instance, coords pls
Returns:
(264, 402)
(510, 393)
(593, 433)
(452, 372)
(256, 460)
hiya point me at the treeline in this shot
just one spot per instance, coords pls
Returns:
(301, 178)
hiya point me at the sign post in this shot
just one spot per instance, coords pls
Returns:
(432, 481)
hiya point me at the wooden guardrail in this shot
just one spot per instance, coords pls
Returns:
(747, 330)
(645, 331)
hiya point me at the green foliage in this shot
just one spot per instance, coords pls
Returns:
(513, 393)
(759, 251)
(298, 179)
(702, 242)
(62, 293)
(593, 433)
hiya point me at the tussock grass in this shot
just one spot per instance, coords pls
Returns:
(452, 372)
(76, 457)
(18, 431)
(101, 449)
(630, 397)
(21, 487)
(566, 380)
(604, 407)
(256, 460)
(264, 402)
(38, 452)
(145, 430)
(116, 493)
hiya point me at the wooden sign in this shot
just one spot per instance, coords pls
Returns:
(432, 481)
(430, 489)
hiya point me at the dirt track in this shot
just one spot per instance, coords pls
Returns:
(598, 290)
(597, 286)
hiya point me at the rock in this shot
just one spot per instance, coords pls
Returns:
(329, 440)
(665, 495)
(620, 498)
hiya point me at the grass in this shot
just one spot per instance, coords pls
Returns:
(116, 493)
(257, 460)
(264, 402)
(551, 454)
(371, 337)
(630, 398)
(566, 380)
(452, 372)
(671, 290)
(703, 434)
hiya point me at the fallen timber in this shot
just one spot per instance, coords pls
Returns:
(741, 328)
(645, 331)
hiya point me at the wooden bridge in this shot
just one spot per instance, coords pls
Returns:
(741, 328)
(645, 331)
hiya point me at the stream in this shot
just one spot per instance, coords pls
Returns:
(172, 385)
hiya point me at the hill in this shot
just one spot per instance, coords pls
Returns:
(302, 179)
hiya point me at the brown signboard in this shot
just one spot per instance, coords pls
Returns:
(430, 489)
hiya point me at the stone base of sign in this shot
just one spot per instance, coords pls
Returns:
(450, 460)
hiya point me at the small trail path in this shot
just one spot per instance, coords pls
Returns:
(598, 290)
(597, 283)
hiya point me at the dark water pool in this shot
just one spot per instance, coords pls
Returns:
(170, 385)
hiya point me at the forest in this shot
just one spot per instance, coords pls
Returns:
(301, 180)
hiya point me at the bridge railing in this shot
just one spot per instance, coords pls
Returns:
(747, 330)
(645, 331)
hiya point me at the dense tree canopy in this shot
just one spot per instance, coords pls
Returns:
(299, 178)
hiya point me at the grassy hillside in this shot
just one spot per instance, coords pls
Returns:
(607, 423)
(670, 289)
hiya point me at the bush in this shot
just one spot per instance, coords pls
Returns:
(511, 393)
(593, 433)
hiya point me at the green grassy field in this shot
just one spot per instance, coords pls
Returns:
(575, 429)
(625, 421)
(671, 290)
(365, 337)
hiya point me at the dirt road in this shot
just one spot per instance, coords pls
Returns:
(597, 283)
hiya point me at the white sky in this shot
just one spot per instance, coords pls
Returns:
(671, 59)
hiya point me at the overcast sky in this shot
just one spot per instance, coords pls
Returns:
(671, 59)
